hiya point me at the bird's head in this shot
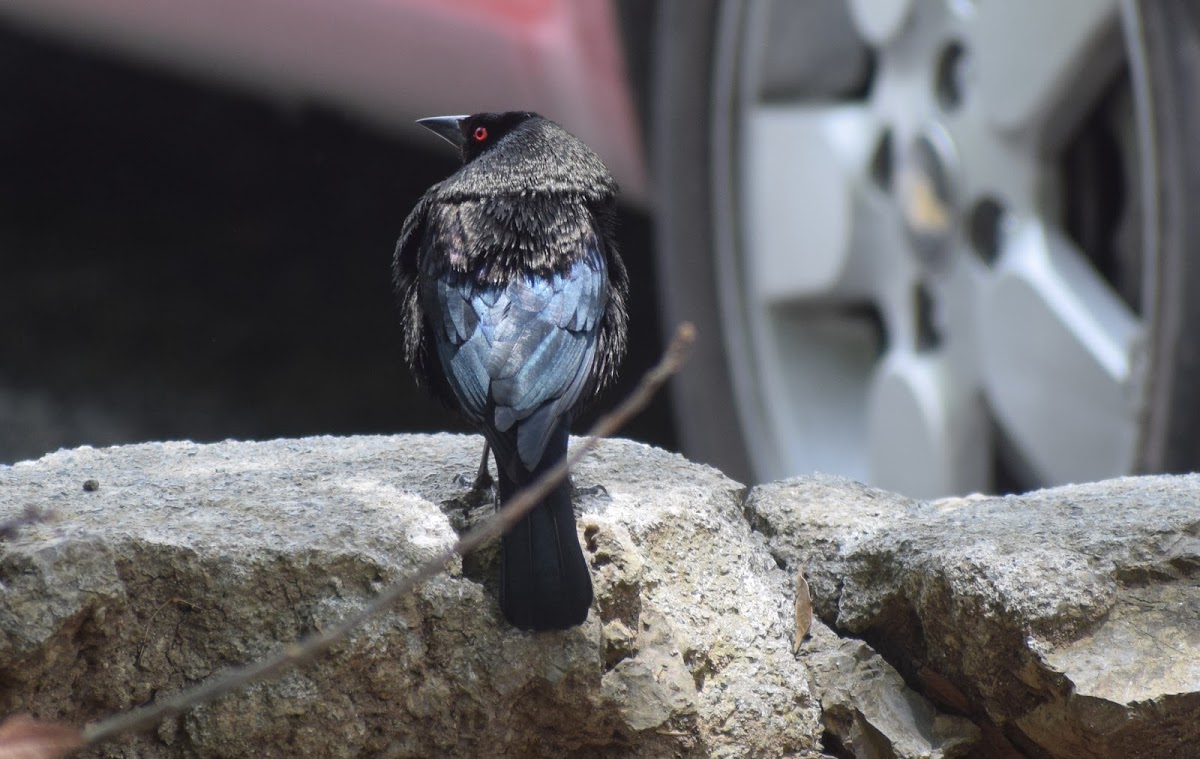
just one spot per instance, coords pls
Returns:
(477, 133)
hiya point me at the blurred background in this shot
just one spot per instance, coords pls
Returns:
(940, 246)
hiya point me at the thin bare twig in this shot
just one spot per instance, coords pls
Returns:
(315, 644)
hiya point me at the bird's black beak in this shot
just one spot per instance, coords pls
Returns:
(446, 127)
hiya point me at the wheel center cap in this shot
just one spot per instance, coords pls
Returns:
(926, 194)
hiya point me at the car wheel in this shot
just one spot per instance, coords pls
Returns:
(936, 246)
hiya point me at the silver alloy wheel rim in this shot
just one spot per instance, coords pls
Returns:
(940, 215)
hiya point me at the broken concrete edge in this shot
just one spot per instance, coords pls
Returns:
(1060, 617)
(237, 547)
(858, 603)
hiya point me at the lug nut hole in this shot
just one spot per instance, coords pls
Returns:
(881, 162)
(985, 229)
(951, 75)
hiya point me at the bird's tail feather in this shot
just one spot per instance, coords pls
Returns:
(544, 578)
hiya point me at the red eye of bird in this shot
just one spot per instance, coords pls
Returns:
(480, 134)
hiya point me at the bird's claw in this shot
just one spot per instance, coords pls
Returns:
(478, 491)
(483, 481)
(592, 490)
(596, 498)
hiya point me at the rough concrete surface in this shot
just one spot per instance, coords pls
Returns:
(187, 559)
(869, 710)
(1062, 623)
(1066, 619)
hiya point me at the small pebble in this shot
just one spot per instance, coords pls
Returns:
(91, 486)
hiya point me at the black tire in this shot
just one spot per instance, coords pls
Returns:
(1171, 434)
(702, 395)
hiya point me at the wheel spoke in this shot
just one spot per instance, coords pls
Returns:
(1059, 351)
(806, 216)
(929, 435)
(1040, 64)
(810, 52)
(818, 366)
(880, 20)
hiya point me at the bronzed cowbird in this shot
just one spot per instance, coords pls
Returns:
(512, 310)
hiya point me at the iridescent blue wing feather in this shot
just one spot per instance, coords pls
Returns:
(517, 355)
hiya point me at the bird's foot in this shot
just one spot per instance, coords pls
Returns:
(479, 490)
(591, 490)
(594, 498)
(483, 481)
